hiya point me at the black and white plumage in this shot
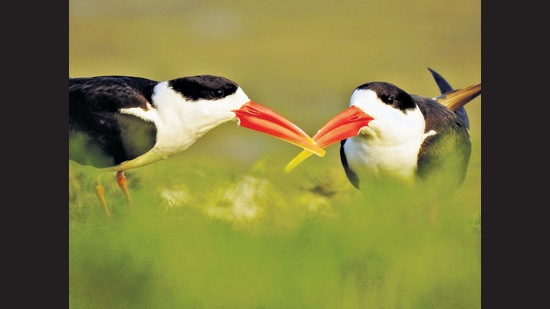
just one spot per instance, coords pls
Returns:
(118, 123)
(387, 133)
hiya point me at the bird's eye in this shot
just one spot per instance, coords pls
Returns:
(387, 99)
(218, 93)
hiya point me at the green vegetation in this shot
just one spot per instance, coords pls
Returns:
(211, 236)
(221, 225)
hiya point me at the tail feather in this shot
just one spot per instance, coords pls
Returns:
(443, 85)
(455, 99)
(459, 97)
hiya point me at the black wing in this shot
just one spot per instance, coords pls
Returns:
(99, 134)
(446, 154)
(352, 177)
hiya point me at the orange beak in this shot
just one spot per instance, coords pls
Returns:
(344, 125)
(260, 118)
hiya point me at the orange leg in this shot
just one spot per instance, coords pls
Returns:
(122, 183)
(100, 191)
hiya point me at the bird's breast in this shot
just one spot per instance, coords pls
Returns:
(373, 158)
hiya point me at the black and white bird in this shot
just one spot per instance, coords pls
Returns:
(387, 133)
(118, 123)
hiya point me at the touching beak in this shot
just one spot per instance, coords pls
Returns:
(459, 97)
(259, 118)
(344, 125)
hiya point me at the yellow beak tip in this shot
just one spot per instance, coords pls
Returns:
(299, 159)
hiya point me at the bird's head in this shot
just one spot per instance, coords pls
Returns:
(377, 110)
(215, 100)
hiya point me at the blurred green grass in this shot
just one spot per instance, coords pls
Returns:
(221, 225)
(313, 242)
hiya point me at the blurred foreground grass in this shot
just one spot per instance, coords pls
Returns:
(215, 235)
